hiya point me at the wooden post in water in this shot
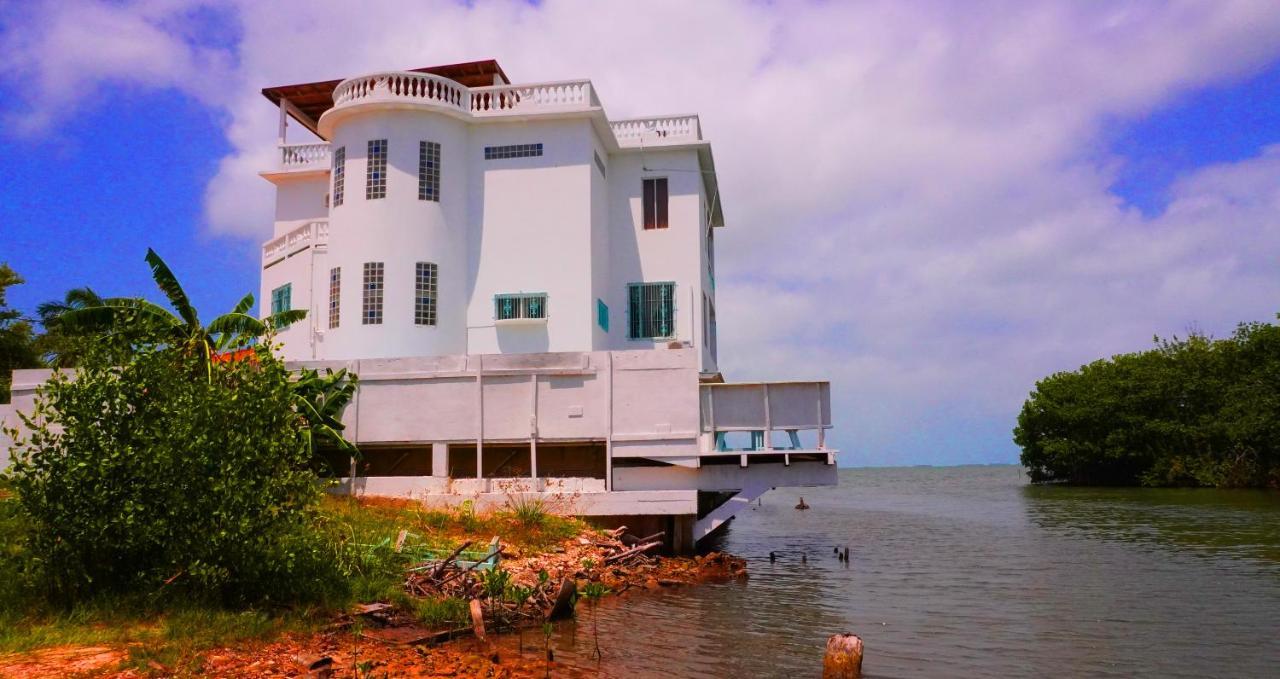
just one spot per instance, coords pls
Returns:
(843, 659)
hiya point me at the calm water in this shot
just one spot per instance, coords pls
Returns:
(969, 572)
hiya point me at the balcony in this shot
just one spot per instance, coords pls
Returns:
(295, 241)
(568, 96)
(659, 131)
(304, 156)
(761, 409)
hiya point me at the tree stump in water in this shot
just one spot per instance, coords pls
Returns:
(843, 659)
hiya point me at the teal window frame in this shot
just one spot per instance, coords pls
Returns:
(651, 310)
(282, 299)
(602, 314)
(520, 306)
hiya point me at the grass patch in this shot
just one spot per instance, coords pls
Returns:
(362, 532)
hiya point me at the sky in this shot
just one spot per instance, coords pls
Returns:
(931, 204)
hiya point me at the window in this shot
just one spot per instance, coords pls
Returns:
(655, 203)
(339, 174)
(282, 298)
(599, 164)
(524, 305)
(512, 151)
(335, 295)
(711, 256)
(709, 324)
(375, 174)
(651, 311)
(429, 171)
(371, 309)
(424, 294)
(602, 315)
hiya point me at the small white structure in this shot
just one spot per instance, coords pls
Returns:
(526, 289)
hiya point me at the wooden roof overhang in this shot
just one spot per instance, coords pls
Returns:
(311, 100)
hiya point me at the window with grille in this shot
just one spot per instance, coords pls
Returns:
(335, 295)
(655, 203)
(339, 174)
(424, 294)
(371, 308)
(524, 305)
(602, 315)
(375, 174)
(282, 298)
(429, 171)
(711, 256)
(651, 311)
(512, 151)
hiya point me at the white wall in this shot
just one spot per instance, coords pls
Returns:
(550, 224)
(531, 232)
(399, 231)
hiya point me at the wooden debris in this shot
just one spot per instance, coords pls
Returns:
(563, 606)
(638, 549)
(477, 619)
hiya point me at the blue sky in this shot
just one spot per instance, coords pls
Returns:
(932, 208)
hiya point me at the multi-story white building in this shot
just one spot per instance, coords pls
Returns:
(527, 291)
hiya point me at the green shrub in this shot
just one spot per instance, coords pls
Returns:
(169, 475)
(1191, 412)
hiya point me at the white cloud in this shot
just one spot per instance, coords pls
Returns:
(917, 192)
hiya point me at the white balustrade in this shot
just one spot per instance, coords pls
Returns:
(496, 100)
(419, 87)
(657, 131)
(304, 156)
(500, 99)
(311, 233)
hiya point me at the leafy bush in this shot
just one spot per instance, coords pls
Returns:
(1191, 412)
(169, 475)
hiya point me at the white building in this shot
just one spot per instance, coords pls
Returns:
(526, 289)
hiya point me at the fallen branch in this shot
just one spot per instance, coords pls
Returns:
(632, 552)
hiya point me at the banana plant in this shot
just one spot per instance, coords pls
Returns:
(320, 400)
(142, 320)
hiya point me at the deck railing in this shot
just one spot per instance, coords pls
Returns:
(497, 100)
(311, 233)
(763, 408)
(304, 156)
(657, 131)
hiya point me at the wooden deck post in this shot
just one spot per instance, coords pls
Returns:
(843, 659)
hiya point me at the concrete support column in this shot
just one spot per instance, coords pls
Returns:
(440, 459)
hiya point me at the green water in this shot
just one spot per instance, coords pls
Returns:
(970, 572)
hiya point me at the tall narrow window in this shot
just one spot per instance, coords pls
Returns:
(711, 255)
(371, 307)
(335, 296)
(424, 294)
(375, 175)
(429, 171)
(339, 174)
(602, 315)
(282, 298)
(655, 203)
(711, 324)
(651, 311)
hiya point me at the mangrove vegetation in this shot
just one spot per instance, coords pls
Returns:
(1195, 411)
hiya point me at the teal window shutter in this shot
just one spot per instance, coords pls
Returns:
(282, 298)
(602, 315)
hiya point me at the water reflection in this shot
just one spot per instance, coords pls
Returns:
(1240, 526)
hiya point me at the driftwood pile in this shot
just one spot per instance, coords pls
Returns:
(550, 579)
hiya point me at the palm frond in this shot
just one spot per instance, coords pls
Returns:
(169, 285)
(244, 305)
(284, 319)
(236, 323)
